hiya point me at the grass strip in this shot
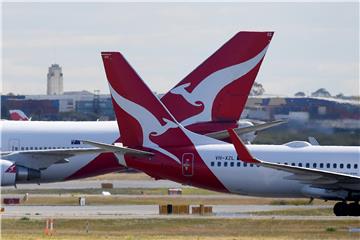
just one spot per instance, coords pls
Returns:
(181, 229)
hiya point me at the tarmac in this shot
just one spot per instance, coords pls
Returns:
(148, 211)
(140, 211)
(96, 184)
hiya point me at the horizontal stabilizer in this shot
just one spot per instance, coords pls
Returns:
(224, 134)
(118, 149)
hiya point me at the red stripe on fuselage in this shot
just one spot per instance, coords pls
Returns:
(102, 164)
(161, 166)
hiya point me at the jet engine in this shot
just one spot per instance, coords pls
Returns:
(12, 174)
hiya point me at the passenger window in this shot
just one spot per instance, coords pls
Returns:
(225, 164)
(321, 165)
(212, 164)
(35, 148)
(245, 164)
(285, 163)
(334, 165)
(348, 165)
(251, 165)
(219, 164)
(16, 148)
(40, 148)
(300, 164)
(26, 148)
(355, 166)
(22, 148)
(238, 164)
(307, 165)
(31, 148)
(292, 164)
(314, 165)
(45, 147)
(231, 164)
(341, 165)
(328, 165)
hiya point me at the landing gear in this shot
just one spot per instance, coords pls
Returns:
(354, 209)
(343, 209)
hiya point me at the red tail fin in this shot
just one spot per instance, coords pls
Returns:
(226, 77)
(18, 115)
(142, 118)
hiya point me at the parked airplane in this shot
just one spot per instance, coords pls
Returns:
(35, 151)
(18, 115)
(296, 169)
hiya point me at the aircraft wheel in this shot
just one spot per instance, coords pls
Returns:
(354, 209)
(341, 209)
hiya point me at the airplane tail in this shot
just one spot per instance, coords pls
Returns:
(18, 115)
(209, 92)
(143, 120)
(145, 124)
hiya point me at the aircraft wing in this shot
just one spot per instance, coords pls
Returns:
(42, 159)
(318, 178)
(220, 135)
(313, 177)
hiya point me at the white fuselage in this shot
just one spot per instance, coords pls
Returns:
(249, 179)
(41, 135)
(237, 177)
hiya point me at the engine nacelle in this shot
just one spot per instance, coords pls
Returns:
(247, 137)
(8, 173)
(12, 174)
(324, 193)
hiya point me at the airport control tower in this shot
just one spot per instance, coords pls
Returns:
(54, 80)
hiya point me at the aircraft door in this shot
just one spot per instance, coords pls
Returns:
(187, 164)
(14, 144)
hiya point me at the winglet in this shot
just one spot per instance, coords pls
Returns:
(242, 152)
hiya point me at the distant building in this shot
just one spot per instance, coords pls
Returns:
(54, 80)
(301, 108)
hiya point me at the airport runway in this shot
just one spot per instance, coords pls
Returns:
(91, 184)
(142, 211)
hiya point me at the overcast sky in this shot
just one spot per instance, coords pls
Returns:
(315, 44)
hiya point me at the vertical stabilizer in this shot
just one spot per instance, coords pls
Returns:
(208, 93)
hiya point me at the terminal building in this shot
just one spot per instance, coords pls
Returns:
(312, 111)
(323, 111)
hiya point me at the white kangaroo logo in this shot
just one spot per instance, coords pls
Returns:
(206, 91)
(148, 122)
